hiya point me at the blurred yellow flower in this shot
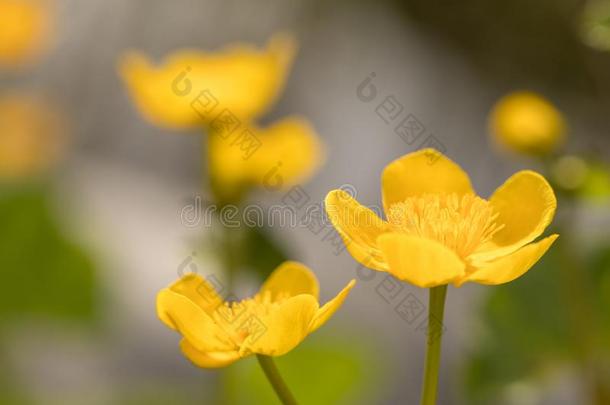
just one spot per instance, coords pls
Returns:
(276, 157)
(190, 88)
(438, 231)
(217, 333)
(24, 31)
(525, 122)
(32, 136)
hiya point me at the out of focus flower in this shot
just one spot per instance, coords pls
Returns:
(217, 333)
(276, 157)
(191, 88)
(32, 136)
(570, 172)
(438, 231)
(585, 178)
(525, 122)
(24, 31)
(595, 26)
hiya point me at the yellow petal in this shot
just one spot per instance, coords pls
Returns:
(330, 308)
(208, 359)
(199, 291)
(290, 153)
(510, 267)
(525, 205)
(180, 313)
(25, 31)
(291, 278)
(191, 88)
(358, 226)
(151, 92)
(279, 156)
(424, 171)
(32, 136)
(422, 262)
(285, 327)
(229, 172)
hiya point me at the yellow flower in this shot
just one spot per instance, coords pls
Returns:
(527, 123)
(276, 157)
(31, 136)
(217, 333)
(191, 88)
(24, 31)
(438, 231)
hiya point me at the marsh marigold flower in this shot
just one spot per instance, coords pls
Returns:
(273, 322)
(32, 136)
(190, 88)
(527, 123)
(24, 31)
(438, 231)
(288, 153)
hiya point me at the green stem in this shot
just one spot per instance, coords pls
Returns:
(274, 377)
(229, 266)
(436, 309)
(230, 254)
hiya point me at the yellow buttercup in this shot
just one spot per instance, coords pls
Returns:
(438, 231)
(32, 136)
(24, 31)
(224, 93)
(191, 88)
(527, 123)
(217, 333)
(281, 155)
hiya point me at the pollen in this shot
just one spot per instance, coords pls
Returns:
(462, 223)
(242, 319)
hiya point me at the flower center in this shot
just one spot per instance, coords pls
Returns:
(462, 223)
(244, 319)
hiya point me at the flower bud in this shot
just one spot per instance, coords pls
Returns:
(527, 123)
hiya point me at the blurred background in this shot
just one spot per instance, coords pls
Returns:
(92, 197)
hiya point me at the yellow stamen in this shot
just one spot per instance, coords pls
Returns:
(241, 319)
(462, 223)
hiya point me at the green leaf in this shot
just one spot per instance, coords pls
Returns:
(599, 265)
(595, 24)
(547, 317)
(596, 187)
(524, 327)
(44, 273)
(324, 369)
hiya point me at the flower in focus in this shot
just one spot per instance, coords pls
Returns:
(284, 154)
(527, 123)
(190, 87)
(31, 137)
(24, 31)
(217, 333)
(438, 231)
